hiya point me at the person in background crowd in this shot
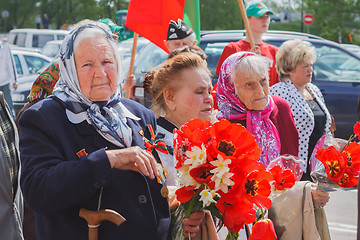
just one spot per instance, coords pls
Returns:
(294, 62)
(243, 97)
(11, 202)
(259, 19)
(7, 74)
(38, 21)
(85, 143)
(179, 35)
(46, 21)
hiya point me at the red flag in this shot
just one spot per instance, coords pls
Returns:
(150, 19)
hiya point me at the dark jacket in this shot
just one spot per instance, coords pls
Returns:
(58, 179)
(282, 118)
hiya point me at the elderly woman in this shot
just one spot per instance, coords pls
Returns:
(84, 148)
(294, 63)
(243, 97)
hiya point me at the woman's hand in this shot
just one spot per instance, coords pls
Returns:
(319, 198)
(133, 158)
(192, 224)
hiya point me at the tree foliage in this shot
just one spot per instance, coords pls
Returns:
(334, 17)
(220, 15)
(23, 12)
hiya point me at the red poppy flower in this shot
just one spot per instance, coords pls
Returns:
(283, 178)
(237, 214)
(334, 163)
(192, 133)
(263, 230)
(357, 128)
(349, 179)
(233, 140)
(257, 188)
(352, 154)
(202, 173)
(184, 194)
(195, 131)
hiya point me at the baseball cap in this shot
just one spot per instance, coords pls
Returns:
(257, 10)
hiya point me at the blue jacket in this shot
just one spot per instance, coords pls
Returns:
(58, 179)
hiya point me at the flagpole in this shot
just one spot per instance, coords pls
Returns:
(131, 68)
(246, 23)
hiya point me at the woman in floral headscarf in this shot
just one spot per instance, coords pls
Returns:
(243, 97)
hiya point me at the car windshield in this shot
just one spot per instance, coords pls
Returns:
(35, 63)
(334, 64)
(213, 51)
(150, 57)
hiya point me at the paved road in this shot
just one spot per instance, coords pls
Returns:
(341, 214)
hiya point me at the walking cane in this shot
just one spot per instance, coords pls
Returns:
(95, 218)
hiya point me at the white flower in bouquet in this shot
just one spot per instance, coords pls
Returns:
(207, 197)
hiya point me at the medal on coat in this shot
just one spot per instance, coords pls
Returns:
(160, 146)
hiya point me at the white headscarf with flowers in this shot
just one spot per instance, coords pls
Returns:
(107, 117)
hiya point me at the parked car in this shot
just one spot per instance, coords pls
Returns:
(34, 38)
(338, 80)
(352, 48)
(27, 62)
(125, 47)
(19, 96)
(51, 49)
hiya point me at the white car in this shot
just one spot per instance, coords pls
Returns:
(34, 38)
(52, 49)
(27, 62)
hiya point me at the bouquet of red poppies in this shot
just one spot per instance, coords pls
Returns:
(218, 171)
(338, 162)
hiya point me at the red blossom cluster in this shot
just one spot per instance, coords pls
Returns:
(342, 165)
(223, 158)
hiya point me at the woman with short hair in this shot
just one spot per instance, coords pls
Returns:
(294, 63)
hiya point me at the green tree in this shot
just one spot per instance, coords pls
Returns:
(220, 15)
(333, 16)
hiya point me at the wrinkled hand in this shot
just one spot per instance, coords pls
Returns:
(133, 158)
(256, 50)
(319, 198)
(192, 224)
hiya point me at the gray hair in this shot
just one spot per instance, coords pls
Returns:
(249, 65)
(96, 33)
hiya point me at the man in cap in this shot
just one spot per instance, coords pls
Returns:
(179, 35)
(259, 19)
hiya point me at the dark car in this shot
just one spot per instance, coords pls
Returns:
(336, 71)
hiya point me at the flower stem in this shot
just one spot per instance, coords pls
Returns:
(347, 144)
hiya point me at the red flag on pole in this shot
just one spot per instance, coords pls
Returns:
(150, 19)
